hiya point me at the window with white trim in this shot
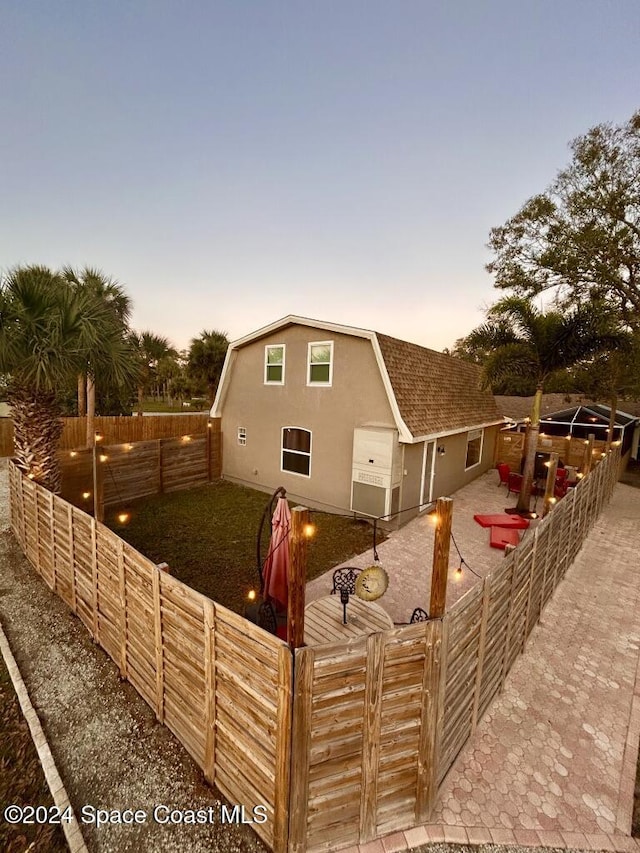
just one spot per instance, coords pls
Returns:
(242, 436)
(320, 363)
(474, 448)
(296, 451)
(274, 364)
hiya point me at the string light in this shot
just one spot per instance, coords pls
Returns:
(123, 517)
(73, 453)
(186, 438)
(86, 495)
(309, 530)
(251, 595)
(103, 457)
(99, 437)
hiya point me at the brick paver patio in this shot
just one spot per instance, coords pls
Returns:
(554, 760)
(407, 554)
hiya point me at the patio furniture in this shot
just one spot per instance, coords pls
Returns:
(267, 617)
(503, 473)
(345, 579)
(514, 483)
(419, 615)
(502, 519)
(500, 537)
(323, 620)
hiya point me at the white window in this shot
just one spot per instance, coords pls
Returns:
(296, 451)
(274, 364)
(320, 363)
(474, 448)
(242, 436)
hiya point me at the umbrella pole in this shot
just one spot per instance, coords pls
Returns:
(297, 577)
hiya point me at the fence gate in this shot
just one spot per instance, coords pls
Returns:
(365, 722)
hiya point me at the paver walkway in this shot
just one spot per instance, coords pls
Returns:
(554, 761)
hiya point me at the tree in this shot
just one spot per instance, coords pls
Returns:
(581, 236)
(206, 358)
(114, 307)
(525, 342)
(46, 327)
(149, 349)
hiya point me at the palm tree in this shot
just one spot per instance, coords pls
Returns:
(44, 331)
(206, 358)
(115, 308)
(525, 342)
(149, 349)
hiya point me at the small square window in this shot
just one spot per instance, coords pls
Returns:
(474, 448)
(274, 364)
(242, 436)
(320, 363)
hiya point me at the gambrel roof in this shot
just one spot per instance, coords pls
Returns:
(431, 394)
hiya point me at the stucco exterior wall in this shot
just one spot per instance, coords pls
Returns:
(355, 398)
(450, 471)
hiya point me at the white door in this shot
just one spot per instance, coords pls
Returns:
(428, 473)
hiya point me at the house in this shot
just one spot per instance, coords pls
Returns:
(351, 419)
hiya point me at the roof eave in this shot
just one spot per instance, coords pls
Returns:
(444, 433)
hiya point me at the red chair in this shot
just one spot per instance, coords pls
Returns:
(560, 487)
(503, 473)
(561, 474)
(514, 483)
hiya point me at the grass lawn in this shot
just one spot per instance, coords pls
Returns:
(208, 537)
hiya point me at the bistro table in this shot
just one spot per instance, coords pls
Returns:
(323, 620)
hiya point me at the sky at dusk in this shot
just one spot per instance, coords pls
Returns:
(234, 162)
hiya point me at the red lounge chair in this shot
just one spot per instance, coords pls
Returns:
(502, 519)
(500, 537)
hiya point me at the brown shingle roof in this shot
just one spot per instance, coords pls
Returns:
(435, 392)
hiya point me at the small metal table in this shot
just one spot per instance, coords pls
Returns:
(323, 620)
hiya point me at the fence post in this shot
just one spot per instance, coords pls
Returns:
(209, 691)
(486, 595)
(157, 629)
(507, 639)
(588, 461)
(301, 749)
(94, 580)
(440, 570)
(122, 584)
(371, 736)
(297, 577)
(440, 688)
(160, 471)
(549, 497)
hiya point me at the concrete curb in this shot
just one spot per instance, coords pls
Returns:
(56, 786)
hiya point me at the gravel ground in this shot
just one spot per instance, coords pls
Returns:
(109, 749)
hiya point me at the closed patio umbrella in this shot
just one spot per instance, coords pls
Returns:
(276, 566)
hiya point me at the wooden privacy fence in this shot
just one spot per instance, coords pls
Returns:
(510, 447)
(222, 685)
(379, 721)
(132, 470)
(115, 430)
(355, 746)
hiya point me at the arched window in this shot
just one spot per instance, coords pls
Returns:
(296, 451)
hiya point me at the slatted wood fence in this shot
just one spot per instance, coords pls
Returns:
(222, 685)
(510, 447)
(117, 430)
(363, 743)
(133, 470)
(378, 722)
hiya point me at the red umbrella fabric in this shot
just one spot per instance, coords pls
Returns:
(276, 566)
